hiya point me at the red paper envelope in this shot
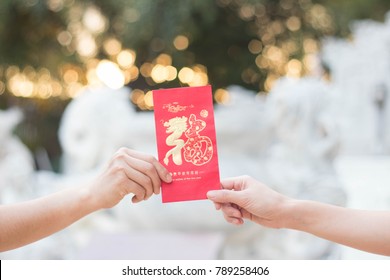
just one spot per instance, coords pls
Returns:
(186, 141)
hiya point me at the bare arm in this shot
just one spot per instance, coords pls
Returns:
(129, 172)
(361, 229)
(246, 198)
(26, 222)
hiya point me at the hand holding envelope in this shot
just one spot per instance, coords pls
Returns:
(186, 141)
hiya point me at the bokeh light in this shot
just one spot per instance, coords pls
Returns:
(110, 74)
(126, 58)
(118, 45)
(181, 42)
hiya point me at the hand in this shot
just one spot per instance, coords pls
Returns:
(128, 172)
(245, 198)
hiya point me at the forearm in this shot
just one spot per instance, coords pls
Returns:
(30, 221)
(364, 230)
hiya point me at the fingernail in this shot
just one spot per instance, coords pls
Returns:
(211, 194)
(168, 177)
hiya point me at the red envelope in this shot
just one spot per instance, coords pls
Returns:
(186, 142)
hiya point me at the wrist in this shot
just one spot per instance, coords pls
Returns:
(88, 200)
(303, 215)
(291, 214)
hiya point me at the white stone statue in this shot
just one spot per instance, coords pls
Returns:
(306, 137)
(360, 68)
(16, 161)
(94, 126)
(300, 162)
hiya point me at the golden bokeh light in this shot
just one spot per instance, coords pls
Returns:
(134, 72)
(222, 96)
(11, 71)
(55, 5)
(2, 87)
(186, 75)
(112, 46)
(142, 100)
(319, 17)
(274, 54)
(261, 62)
(20, 85)
(293, 23)
(74, 89)
(181, 42)
(131, 74)
(159, 73)
(135, 95)
(270, 81)
(294, 68)
(146, 69)
(71, 76)
(311, 63)
(255, 46)
(86, 45)
(277, 27)
(94, 20)
(32, 83)
(172, 73)
(126, 58)
(92, 77)
(195, 76)
(148, 100)
(164, 59)
(310, 45)
(200, 79)
(64, 38)
(246, 12)
(110, 74)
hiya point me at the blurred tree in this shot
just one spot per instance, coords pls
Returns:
(50, 49)
(346, 11)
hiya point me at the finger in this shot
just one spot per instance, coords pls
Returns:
(217, 205)
(148, 170)
(224, 196)
(233, 220)
(246, 215)
(236, 221)
(138, 177)
(234, 183)
(161, 170)
(231, 210)
(133, 160)
(137, 190)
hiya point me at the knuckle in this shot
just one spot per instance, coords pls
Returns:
(138, 191)
(146, 181)
(245, 177)
(149, 168)
(119, 156)
(224, 195)
(122, 150)
(122, 177)
(117, 167)
(150, 158)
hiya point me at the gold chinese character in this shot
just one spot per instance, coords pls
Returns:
(176, 126)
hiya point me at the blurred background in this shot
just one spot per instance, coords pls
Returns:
(301, 102)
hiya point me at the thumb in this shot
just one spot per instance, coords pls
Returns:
(224, 196)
